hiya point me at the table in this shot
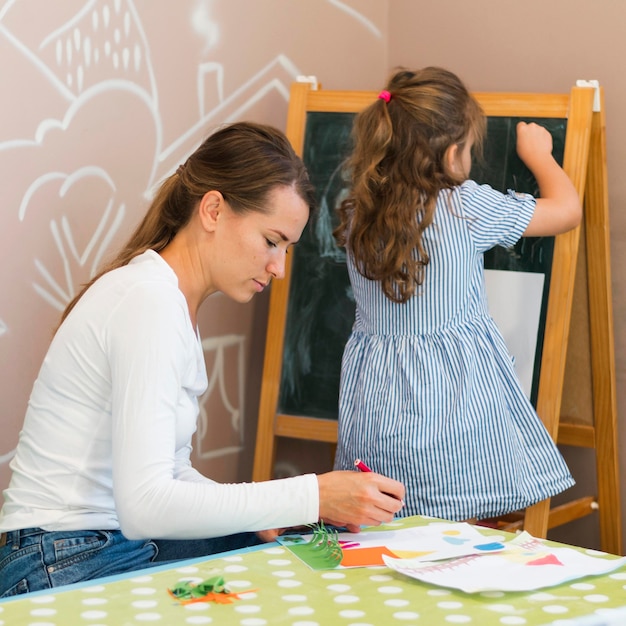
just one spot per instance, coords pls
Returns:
(276, 588)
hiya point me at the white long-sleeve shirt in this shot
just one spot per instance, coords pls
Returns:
(106, 440)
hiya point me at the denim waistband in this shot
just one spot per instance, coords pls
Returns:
(13, 536)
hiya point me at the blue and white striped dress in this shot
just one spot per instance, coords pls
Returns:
(428, 391)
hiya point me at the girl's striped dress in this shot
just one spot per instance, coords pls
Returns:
(429, 395)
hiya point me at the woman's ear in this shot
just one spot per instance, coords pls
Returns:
(210, 209)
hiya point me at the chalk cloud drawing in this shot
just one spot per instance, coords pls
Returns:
(76, 80)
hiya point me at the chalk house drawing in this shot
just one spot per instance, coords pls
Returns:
(91, 65)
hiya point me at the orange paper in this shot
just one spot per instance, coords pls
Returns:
(365, 557)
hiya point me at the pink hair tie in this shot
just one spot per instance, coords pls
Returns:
(384, 95)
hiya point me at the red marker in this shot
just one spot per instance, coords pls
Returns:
(361, 466)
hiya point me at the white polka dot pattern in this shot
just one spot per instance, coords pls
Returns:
(272, 583)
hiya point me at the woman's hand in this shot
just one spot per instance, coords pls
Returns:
(354, 499)
(269, 535)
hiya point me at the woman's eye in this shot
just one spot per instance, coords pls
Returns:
(270, 243)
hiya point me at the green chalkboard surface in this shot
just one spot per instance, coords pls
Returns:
(321, 306)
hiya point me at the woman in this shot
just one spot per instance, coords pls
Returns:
(102, 481)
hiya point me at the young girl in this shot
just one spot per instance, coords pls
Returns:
(428, 391)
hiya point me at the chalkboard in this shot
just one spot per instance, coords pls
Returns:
(312, 310)
(321, 305)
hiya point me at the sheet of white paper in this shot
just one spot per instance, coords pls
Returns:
(525, 564)
(515, 305)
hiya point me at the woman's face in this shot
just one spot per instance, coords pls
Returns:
(251, 249)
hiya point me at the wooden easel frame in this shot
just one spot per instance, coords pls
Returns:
(602, 435)
(585, 162)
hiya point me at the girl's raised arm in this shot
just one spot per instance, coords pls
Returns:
(558, 207)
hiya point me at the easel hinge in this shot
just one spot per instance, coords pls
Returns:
(308, 79)
(596, 85)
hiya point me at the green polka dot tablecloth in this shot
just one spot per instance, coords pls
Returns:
(275, 587)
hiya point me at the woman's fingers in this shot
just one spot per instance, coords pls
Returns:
(359, 499)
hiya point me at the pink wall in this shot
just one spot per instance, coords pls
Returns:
(100, 101)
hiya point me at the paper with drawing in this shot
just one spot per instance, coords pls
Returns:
(453, 555)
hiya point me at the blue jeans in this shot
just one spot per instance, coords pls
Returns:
(177, 550)
(34, 559)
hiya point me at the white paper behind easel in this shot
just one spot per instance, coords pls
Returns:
(515, 305)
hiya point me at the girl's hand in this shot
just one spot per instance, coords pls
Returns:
(355, 499)
(534, 144)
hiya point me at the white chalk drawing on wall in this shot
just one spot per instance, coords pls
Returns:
(220, 347)
(93, 61)
(357, 15)
(71, 59)
(56, 294)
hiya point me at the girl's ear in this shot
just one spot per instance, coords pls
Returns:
(451, 158)
(210, 208)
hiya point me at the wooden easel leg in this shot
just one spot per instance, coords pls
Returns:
(536, 519)
(601, 330)
(264, 455)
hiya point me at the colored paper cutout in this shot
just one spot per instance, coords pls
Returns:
(490, 547)
(366, 557)
(319, 551)
(437, 541)
(549, 559)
